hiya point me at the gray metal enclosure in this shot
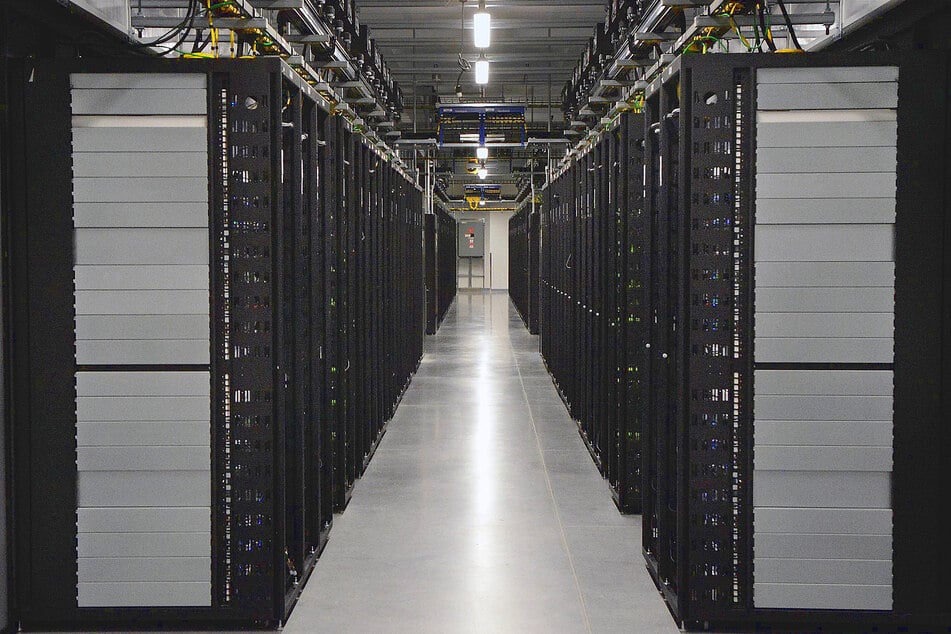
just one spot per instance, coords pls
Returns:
(824, 262)
(140, 188)
(471, 238)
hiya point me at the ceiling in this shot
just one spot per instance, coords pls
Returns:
(535, 44)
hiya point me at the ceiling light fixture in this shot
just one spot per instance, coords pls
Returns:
(482, 26)
(483, 173)
(482, 153)
(482, 70)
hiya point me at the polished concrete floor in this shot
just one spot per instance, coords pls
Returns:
(482, 510)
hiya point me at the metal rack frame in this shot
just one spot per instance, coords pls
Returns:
(591, 303)
(441, 278)
(316, 320)
(698, 458)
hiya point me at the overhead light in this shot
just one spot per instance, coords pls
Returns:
(483, 173)
(482, 71)
(482, 153)
(482, 203)
(482, 26)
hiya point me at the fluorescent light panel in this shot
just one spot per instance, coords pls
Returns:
(482, 25)
(482, 72)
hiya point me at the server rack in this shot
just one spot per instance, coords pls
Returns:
(374, 298)
(185, 300)
(6, 576)
(534, 271)
(591, 295)
(429, 231)
(523, 268)
(630, 310)
(790, 463)
(518, 260)
(441, 279)
(333, 354)
(405, 293)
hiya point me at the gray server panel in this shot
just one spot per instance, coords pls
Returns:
(142, 305)
(825, 298)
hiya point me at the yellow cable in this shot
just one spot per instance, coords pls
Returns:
(736, 29)
(769, 27)
(214, 31)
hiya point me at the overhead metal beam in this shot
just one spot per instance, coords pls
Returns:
(826, 18)
(393, 38)
(495, 58)
(555, 71)
(450, 24)
(277, 4)
(491, 4)
(543, 47)
(163, 22)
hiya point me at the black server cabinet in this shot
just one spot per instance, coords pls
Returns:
(441, 280)
(249, 131)
(534, 255)
(629, 312)
(6, 569)
(591, 294)
(520, 263)
(793, 426)
(374, 297)
(432, 297)
(446, 277)
(349, 181)
(331, 181)
(524, 260)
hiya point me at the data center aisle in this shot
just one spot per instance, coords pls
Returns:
(482, 511)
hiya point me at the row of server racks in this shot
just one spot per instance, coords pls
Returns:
(441, 257)
(524, 243)
(590, 293)
(744, 304)
(217, 302)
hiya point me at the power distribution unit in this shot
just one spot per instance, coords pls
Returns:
(797, 405)
(178, 284)
(471, 239)
(592, 320)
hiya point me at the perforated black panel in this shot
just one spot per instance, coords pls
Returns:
(634, 248)
(244, 241)
(717, 128)
(593, 328)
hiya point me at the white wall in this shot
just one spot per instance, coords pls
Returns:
(496, 246)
